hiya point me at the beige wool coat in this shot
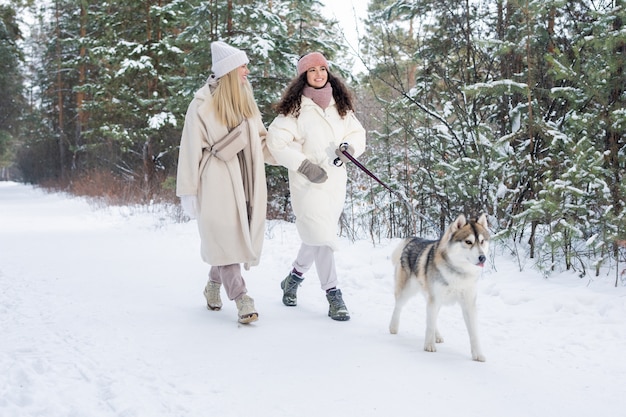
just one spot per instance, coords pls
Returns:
(230, 231)
(314, 135)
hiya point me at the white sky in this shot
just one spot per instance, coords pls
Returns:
(349, 14)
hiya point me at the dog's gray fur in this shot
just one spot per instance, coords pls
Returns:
(445, 271)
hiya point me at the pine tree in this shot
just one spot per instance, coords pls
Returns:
(11, 84)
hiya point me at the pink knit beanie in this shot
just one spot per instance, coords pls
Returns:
(314, 59)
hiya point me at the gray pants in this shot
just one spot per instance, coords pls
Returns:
(324, 259)
(230, 277)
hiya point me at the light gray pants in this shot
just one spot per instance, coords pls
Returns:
(324, 259)
(230, 277)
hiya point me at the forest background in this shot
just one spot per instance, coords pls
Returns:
(511, 108)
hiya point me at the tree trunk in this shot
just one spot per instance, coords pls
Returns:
(80, 95)
(59, 87)
(614, 140)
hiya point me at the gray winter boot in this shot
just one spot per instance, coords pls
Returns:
(212, 295)
(245, 309)
(337, 308)
(290, 287)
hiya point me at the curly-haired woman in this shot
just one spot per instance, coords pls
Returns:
(316, 118)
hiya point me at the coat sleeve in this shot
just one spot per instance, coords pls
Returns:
(282, 142)
(267, 156)
(355, 134)
(190, 152)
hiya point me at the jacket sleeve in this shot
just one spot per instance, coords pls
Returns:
(355, 134)
(267, 156)
(281, 141)
(190, 152)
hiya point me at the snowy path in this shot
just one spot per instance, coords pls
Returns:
(102, 314)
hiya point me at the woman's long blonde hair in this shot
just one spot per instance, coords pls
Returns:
(233, 100)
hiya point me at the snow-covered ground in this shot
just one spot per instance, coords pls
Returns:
(102, 314)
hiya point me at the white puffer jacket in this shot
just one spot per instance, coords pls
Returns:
(315, 135)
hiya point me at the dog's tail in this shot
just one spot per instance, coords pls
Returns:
(400, 275)
(396, 255)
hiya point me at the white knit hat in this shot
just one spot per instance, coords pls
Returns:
(226, 58)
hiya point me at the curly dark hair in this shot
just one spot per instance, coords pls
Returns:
(292, 97)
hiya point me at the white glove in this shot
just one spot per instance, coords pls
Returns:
(190, 205)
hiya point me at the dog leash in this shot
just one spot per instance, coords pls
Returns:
(338, 162)
(343, 148)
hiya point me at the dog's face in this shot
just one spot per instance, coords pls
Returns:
(468, 244)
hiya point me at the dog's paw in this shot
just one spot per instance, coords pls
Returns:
(430, 347)
(438, 338)
(478, 357)
(393, 326)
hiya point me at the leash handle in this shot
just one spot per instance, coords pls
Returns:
(343, 148)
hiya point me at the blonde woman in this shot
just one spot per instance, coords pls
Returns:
(225, 191)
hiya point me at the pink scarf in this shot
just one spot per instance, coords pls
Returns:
(320, 96)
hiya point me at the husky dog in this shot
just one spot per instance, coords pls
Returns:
(445, 271)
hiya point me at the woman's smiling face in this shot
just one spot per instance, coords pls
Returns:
(317, 76)
(243, 73)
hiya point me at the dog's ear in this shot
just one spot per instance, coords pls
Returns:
(482, 220)
(458, 223)
(453, 228)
